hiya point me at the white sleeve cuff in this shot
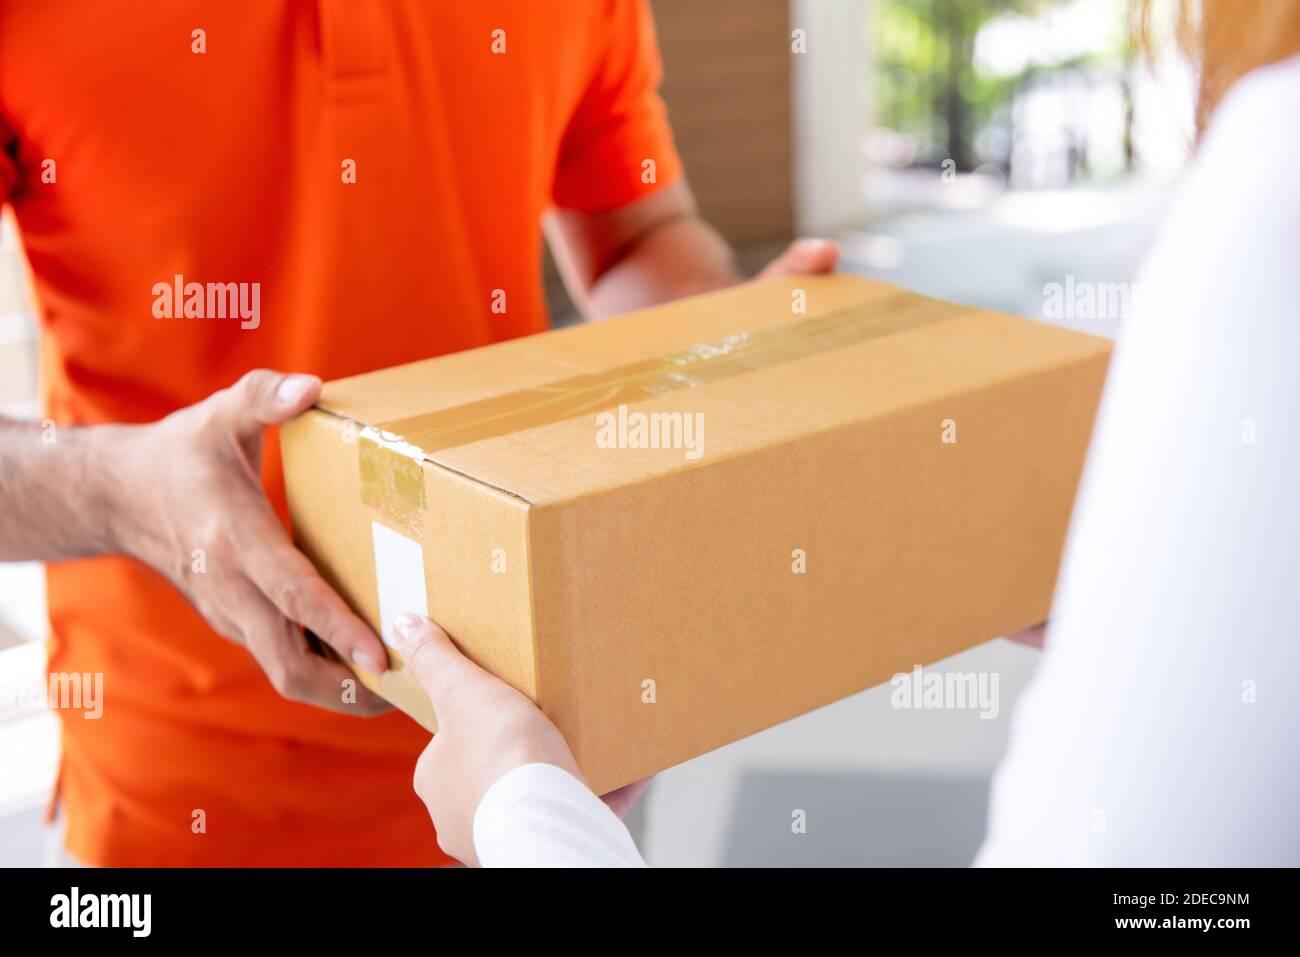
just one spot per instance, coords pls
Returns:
(539, 815)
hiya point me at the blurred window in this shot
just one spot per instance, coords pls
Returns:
(1032, 93)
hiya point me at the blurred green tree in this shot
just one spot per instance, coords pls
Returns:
(928, 84)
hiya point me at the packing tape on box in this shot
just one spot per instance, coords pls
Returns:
(392, 453)
(392, 478)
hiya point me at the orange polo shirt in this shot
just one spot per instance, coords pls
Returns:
(380, 170)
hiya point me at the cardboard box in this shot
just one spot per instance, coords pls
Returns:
(863, 480)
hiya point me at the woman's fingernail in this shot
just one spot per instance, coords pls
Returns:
(404, 624)
(363, 660)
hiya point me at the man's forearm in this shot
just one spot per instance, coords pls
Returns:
(680, 256)
(648, 252)
(55, 491)
(655, 250)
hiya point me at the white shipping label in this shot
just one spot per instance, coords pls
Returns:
(399, 573)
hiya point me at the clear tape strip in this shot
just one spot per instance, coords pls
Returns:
(392, 453)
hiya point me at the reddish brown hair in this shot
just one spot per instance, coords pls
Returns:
(1226, 39)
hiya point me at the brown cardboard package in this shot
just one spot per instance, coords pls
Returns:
(857, 480)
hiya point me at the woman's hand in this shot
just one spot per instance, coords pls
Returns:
(485, 729)
(1031, 637)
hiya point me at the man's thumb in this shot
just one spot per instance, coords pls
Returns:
(263, 398)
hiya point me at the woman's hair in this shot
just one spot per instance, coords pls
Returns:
(1226, 39)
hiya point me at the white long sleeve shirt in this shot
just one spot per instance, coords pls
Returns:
(1163, 725)
(539, 815)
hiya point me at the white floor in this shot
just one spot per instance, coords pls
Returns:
(29, 749)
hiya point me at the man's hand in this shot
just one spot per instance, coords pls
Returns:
(803, 257)
(189, 502)
(485, 729)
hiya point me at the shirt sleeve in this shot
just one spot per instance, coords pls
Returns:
(1161, 727)
(618, 146)
(538, 815)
